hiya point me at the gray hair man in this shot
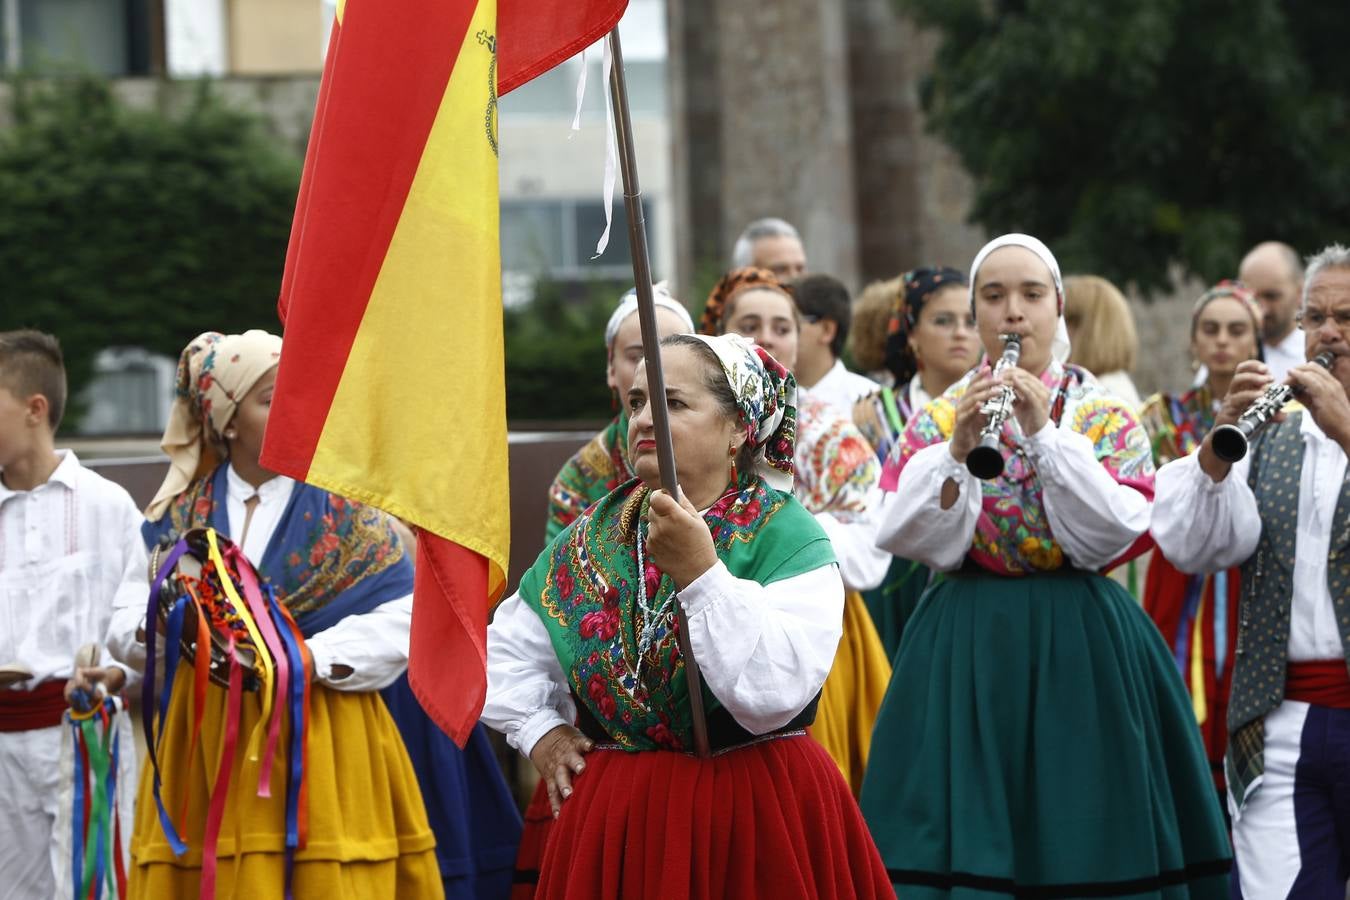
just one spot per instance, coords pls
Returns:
(1274, 273)
(1283, 514)
(771, 244)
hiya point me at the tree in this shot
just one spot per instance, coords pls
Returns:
(555, 352)
(1133, 136)
(129, 227)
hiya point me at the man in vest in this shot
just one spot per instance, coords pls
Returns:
(1283, 513)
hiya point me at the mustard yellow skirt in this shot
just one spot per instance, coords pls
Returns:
(368, 829)
(853, 693)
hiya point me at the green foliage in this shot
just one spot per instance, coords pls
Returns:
(1130, 136)
(129, 227)
(555, 353)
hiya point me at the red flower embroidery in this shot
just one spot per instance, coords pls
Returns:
(608, 707)
(662, 736)
(603, 623)
(744, 515)
(326, 544)
(564, 580)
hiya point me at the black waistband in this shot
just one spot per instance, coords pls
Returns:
(724, 732)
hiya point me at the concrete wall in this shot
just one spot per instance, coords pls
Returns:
(760, 114)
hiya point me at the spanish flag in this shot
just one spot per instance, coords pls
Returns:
(391, 389)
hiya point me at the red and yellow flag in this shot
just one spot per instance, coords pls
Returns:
(390, 389)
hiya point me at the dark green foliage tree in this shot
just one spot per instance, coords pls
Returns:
(128, 227)
(555, 353)
(1130, 136)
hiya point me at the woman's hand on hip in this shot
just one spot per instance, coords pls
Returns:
(558, 756)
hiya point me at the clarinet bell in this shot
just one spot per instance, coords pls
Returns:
(986, 461)
(1229, 443)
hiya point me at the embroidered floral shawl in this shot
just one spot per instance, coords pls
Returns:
(835, 465)
(1012, 536)
(330, 557)
(584, 588)
(1176, 426)
(592, 472)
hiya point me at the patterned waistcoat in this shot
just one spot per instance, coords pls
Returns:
(1267, 596)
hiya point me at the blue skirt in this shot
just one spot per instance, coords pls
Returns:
(472, 814)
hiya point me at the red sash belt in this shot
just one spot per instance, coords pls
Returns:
(41, 707)
(1323, 682)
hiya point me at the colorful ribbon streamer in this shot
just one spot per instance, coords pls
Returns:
(283, 688)
(96, 828)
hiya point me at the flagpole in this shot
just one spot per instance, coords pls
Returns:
(651, 352)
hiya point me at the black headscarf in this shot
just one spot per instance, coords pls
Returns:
(916, 286)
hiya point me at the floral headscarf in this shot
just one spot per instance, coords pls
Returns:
(1059, 346)
(766, 394)
(215, 371)
(735, 282)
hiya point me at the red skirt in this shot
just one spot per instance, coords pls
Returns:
(772, 819)
(533, 839)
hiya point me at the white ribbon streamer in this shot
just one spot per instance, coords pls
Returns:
(611, 153)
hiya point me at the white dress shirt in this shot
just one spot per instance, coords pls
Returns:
(763, 651)
(66, 548)
(1093, 517)
(1205, 526)
(1290, 352)
(374, 644)
(841, 388)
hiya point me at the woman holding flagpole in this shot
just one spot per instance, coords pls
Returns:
(345, 576)
(836, 480)
(591, 636)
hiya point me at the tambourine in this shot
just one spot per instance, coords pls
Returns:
(209, 614)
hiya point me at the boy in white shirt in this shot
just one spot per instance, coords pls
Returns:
(69, 538)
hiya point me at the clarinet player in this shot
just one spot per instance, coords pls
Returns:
(1037, 739)
(1283, 513)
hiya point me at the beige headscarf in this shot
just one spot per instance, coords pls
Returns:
(215, 372)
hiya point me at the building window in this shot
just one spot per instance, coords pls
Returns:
(557, 238)
(102, 37)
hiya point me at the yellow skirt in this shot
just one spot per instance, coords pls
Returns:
(368, 829)
(853, 693)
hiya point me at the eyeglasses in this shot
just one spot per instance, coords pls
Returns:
(949, 322)
(1314, 319)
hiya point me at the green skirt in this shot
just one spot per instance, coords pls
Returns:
(894, 601)
(1036, 741)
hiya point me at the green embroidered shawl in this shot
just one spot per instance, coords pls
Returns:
(584, 588)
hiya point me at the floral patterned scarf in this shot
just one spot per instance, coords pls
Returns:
(591, 473)
(329, 558)
(1013, 536)
(585, 588)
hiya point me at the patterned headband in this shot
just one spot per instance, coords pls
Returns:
(735, 282)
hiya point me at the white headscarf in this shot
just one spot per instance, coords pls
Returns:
(1059, 346)
(628, 305)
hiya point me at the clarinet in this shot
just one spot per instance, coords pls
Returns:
(986, 460)
(1230, 441)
